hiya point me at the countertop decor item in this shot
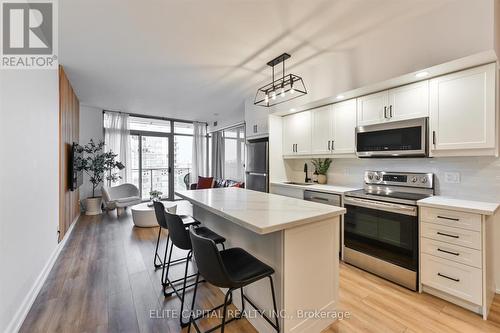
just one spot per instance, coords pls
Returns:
(322, 166)
(155, 195)
(285, 88)
(95, 162)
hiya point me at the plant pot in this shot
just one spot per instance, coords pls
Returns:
(93, 206)
(321, 179)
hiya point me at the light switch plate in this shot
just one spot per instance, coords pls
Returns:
(452, 177)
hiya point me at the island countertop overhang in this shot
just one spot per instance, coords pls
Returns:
(260, 212)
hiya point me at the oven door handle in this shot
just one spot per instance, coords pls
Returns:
(385, 206)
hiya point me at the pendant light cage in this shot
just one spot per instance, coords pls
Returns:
(280, 90)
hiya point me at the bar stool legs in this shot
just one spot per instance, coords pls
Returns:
(158, 263)
(228, 301)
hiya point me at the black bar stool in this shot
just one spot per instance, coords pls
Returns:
(179, 236)
(160, 218)
(233, 269)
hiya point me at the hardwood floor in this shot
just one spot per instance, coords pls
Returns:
(104, 281)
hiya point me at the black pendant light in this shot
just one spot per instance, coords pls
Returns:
(280, 90)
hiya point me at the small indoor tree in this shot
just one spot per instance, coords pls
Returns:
(98, 164)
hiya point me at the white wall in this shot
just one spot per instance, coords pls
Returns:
(29, 194)
(91, 127)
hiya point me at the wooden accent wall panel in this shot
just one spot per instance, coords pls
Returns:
(69, 123)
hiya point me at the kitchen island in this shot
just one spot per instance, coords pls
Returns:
(298, 238)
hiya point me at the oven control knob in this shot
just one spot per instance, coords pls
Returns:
(377, 177)
(423, 180)
(414, 180)
(370, 176)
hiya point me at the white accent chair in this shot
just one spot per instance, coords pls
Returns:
(120, 197)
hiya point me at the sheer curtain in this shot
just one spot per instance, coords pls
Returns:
(199, 166)
(117, 139)
(218, 154)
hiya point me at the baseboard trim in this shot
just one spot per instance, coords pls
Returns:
(22, 312)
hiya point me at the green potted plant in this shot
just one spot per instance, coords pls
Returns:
(96, 162)
(155, 195)
(321, 168)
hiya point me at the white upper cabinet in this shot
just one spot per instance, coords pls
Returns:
(322, 130)
(256, 120)
(463, 113)
(297, 134)
(409, 102)
(372, 109)
(405, 102)
(333, 128)
(344, 126)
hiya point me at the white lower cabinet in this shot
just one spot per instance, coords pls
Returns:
(456, 279)
(455, 258)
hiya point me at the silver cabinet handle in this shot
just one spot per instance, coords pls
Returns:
(434, 138)
(447, 235)
(329, 145)
(390, 111)
(385, 112)
(449, 278)
(333, 144)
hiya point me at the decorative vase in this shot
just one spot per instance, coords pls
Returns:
(322, 179)
(93, 206)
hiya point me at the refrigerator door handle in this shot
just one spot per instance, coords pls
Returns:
(256, 174)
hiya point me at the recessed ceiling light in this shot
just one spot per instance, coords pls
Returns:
(340, 96)
(422, 74)
(292, 110)
(216, 114)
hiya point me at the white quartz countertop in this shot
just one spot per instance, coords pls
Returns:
(469, 206)
(318, 187)
(259, 212)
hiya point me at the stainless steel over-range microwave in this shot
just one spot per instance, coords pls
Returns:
(406, 138)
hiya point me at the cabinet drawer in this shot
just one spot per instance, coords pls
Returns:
(453, 278)
(455, 236)
(456, 253)
(452, 218)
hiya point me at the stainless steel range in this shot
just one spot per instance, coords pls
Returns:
(381, 224)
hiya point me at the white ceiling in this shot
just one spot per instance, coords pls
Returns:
(191, 59)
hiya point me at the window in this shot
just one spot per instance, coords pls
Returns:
(183, 149)
(234, 153)
(160, 154)
(149, 125)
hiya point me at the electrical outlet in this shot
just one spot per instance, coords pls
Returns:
(452, 177)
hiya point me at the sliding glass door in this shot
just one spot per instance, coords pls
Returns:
(155, 166)
(161, 155)
(151, 164)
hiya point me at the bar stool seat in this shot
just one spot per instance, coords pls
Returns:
(207, 233)
(242, 267)
(233, 269)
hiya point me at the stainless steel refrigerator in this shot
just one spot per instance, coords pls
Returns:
(257, 165)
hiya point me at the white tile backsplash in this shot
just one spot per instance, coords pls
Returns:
(479, 176)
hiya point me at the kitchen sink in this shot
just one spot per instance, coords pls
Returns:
(298, 183)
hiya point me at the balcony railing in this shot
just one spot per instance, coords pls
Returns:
(157, 179)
